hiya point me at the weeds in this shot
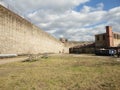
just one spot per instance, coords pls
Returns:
(62, 73)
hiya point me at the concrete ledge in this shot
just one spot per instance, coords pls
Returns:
(7, 55)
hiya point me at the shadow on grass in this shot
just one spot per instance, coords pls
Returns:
(34, 60)
(36, 57)
(98, 64)
(28, 60)
(114, 63)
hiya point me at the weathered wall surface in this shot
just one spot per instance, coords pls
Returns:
(116, 42)
(100, 42)
(19, 36)
(108, 39)
(116, 39)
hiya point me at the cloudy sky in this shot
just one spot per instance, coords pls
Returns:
(77, 20)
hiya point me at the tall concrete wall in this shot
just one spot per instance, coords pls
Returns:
(19, 36)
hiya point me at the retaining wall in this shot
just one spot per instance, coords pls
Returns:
(19, 36)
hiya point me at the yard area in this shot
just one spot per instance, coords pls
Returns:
(62, 72)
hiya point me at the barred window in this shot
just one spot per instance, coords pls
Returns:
(103, 37)
(97, 37)
(115, 36)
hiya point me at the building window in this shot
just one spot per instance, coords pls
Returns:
(103, 37)
(118, 36)
(115, 36)
(98, 38)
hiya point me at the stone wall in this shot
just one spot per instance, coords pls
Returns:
(100, 42)
(116, 39)
(108, 39)
(19, 36)
(116, 42)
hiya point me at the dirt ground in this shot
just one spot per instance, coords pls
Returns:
(14, 59)
(22, 58)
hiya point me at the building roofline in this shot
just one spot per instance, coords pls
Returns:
(105, 33)
(100, 34)
(116, 33)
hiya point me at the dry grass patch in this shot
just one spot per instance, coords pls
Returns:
(62, 72)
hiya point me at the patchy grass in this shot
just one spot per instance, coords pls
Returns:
(62, 72)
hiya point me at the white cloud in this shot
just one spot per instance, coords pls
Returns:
(2, 3)
(60, 19)
(100, 6)
(54, 5)
(113, 18)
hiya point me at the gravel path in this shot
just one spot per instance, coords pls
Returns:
(9, 60)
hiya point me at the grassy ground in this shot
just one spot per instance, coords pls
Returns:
(62, 72)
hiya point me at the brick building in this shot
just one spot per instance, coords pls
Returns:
(108, 39)
(85, 48)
